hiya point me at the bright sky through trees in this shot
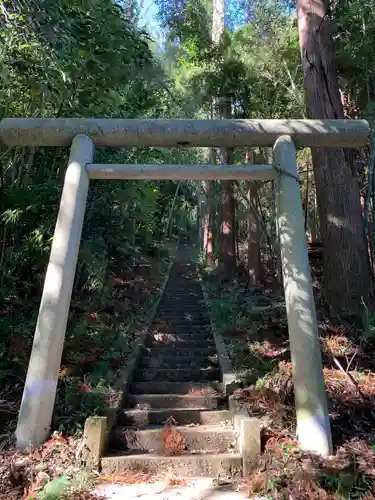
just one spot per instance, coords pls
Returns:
(235, 17)
(148, 17)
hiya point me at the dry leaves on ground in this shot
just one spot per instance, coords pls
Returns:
(24, 474)
(174, 442)
(287, 472)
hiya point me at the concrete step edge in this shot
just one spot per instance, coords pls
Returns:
(176, 375)
(176, 363)
(176, 458)
(174, 400)
(184, 429)
(172, 357)
(200, 438)
(214, 387)
(189, 465)
(185, 350)
(138, 418)
(177, 410)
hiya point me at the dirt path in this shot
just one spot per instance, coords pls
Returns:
(199, 489)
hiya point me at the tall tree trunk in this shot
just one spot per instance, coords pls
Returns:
(30, 163)
(253, 227)
(227, 253)
(253, 230)
(227, 243)
(208, 218)
(346, 274)
(209, 223)
(218, 20)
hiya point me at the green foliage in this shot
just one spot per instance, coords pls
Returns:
(64, 488)
(55, 489)
(354, 28)
(81, 59)
(187, 23)
(68, 59)
(257, 66)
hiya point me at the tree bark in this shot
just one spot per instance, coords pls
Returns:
(254, 258)
(227, 259)
(254, 261)
(346, 274)
(209, 222)
(227, 253)
(218, 26)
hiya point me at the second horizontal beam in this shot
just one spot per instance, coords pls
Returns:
(181, 172)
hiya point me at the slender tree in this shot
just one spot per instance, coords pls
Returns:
(208, 188)
(347, 275)
(253, 230)
(227, 252)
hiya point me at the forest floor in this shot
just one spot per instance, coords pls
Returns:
(101, 330)
(258, 344)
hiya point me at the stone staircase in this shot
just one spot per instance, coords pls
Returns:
(177, 385)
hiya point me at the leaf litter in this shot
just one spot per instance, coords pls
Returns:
(24, 474)
(174, 441)
(259, 348)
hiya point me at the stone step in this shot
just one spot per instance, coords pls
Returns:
(191, 388)
(198, 465)
(184, 308)
(181, 326)
(152, 361)
(182, 342)
(182, 338)
(182, 331)
(179, 348)
(186, 311)
(184, 304)
(202, 438)
(181, 351)
(190, 296)
(182, 285)
(185, 325)
(158, 401)
(177, 375)
(181, 416)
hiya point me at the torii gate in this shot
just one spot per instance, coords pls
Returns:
(313, 427)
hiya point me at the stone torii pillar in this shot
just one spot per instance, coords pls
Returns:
(313, 427)
(40, 388)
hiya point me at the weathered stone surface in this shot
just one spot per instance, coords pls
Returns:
(182, 416)
(177, 375)
(313, 425)
(152, 387)
(159, 401)
(34, 418)
(181, 172)
(95, 433)
(183, 351)
(174, 133)
(207, 438)
(176, 362)
(185, 465)
(249, 443)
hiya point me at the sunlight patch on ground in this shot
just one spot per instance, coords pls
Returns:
(198, 489)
